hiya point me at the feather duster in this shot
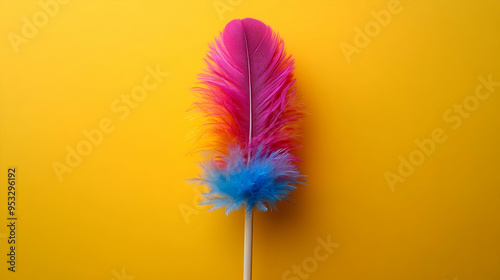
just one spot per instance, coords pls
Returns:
(249, 101)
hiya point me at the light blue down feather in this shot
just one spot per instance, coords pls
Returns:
(268, 178)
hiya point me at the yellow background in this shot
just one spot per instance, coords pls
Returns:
(119, 213)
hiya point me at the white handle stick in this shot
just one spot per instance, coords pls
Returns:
(247, 260)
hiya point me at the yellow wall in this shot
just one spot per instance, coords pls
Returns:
(373, 89)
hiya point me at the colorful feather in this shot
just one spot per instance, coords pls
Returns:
(249, 99)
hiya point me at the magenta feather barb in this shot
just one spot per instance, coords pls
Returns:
(250, 102)
(248, 97)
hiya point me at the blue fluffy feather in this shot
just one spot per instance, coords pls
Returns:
(266, 179)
